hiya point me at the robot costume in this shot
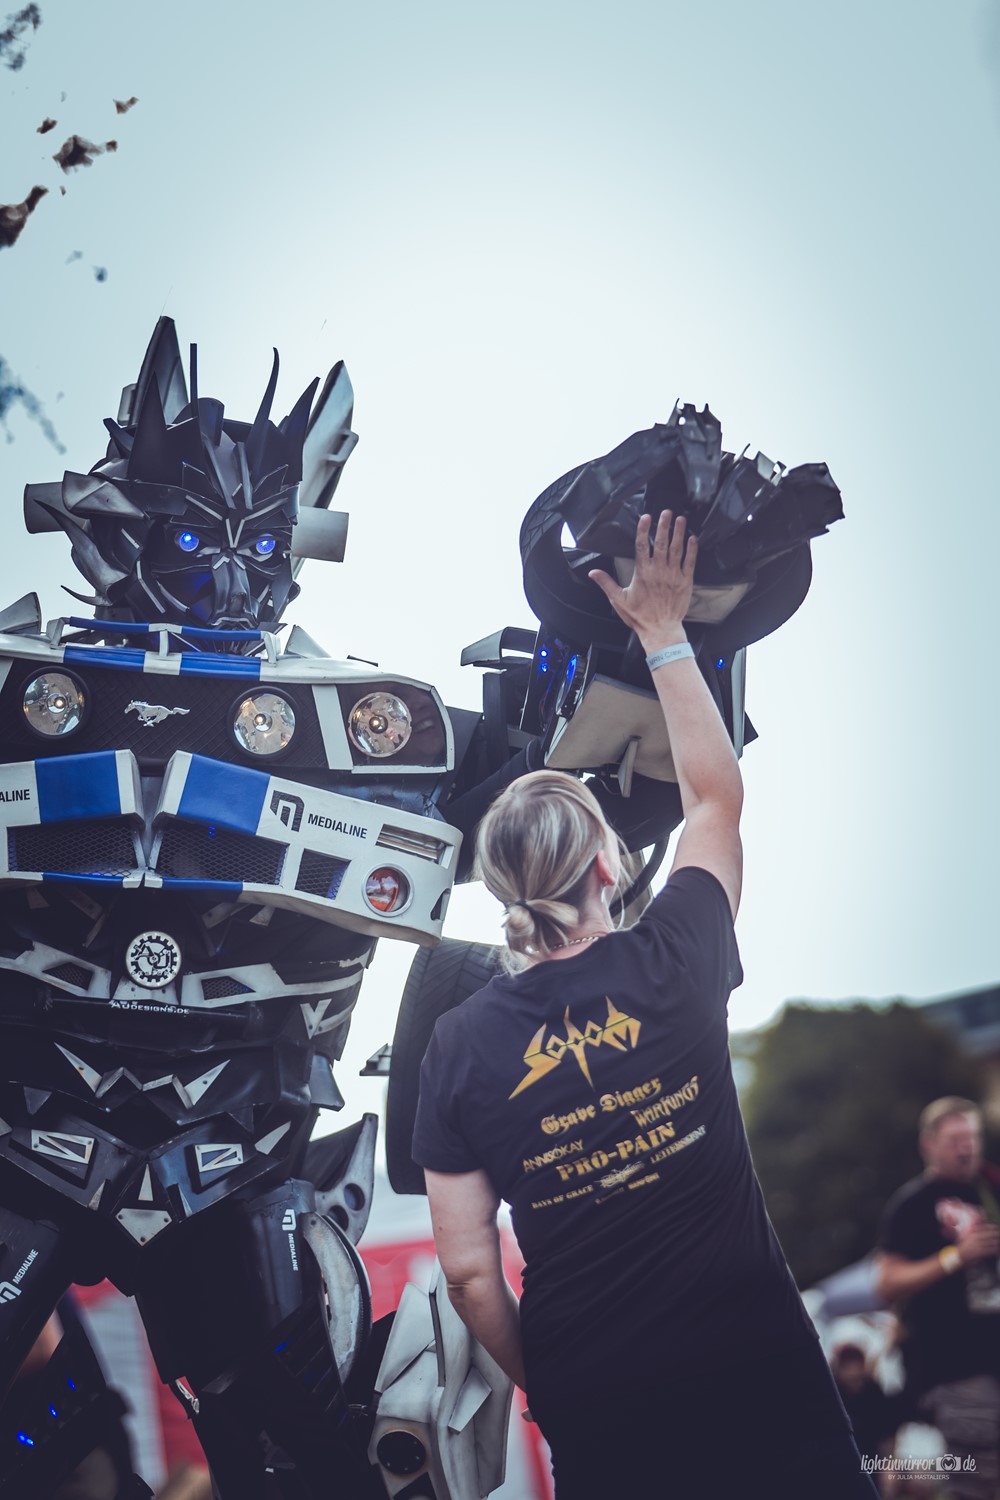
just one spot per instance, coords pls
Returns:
(204, 836)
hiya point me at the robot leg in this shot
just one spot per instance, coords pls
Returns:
(34, 1273)
(441, 1426)
(263, 1315)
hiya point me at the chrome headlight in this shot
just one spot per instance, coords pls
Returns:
(379, 724)
(54, 703)
(264, 723)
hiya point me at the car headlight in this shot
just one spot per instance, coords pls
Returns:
(54, 703)
(379, 724)
(264, 723)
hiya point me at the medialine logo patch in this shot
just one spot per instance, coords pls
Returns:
(15, 794)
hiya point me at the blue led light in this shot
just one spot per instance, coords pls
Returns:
(28, 1442)
(265, 546)
(71, 1385)
(188, 542)
(543, 653)
(571, 670)
(720, 664)
(280, 1347)
(54, 1412)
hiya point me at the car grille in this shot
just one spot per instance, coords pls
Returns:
(203, 851)
(98, 846)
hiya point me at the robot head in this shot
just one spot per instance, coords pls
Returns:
(189, 517)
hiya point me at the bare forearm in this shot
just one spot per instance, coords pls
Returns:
(704, 759)
(902, 1279)
(488, 1308)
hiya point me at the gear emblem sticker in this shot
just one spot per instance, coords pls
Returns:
(153, 959)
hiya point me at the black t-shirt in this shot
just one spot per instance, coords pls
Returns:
(952, 1328)
(597, 1094)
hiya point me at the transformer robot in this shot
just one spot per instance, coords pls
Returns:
(204, 835)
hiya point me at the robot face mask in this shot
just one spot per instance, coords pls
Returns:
(216, 546)
(224, 572)
(188, 519)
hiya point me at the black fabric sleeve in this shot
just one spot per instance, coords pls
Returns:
(693, 916)
(438, 1142)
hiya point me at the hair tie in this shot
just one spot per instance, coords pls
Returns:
(518, 902)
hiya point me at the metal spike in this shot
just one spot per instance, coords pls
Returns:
(90, 1075)
(267, 1143)
(258, 432)
(191, 1093)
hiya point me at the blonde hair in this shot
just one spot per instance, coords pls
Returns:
(534, 850)
(935, 1114)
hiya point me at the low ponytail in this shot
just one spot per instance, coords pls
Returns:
(534, 849)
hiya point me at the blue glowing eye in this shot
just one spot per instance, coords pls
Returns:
(188, 542)
(265, 546)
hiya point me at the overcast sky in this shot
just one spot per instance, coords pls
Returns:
(528, 228)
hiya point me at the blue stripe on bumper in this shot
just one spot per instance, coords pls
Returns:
(78, 786)
(232, 796)
(127, 658)
(177, 883)
(206, 665)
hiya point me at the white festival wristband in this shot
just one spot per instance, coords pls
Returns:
(668, 654)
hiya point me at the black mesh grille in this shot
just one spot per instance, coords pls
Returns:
(203, 727)
(219, 988)
(320, 874)
(87, 847)
(71, 974)
(203, 851)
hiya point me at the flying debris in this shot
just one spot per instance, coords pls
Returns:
(12, 49)
(76, 151)
(11, 392)
(123, 106)
(14, 216)
(47, 124)
(100, 273)
(74, 255)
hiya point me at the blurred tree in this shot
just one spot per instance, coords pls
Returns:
(831, 1113)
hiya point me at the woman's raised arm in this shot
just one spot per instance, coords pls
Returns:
(654, 605)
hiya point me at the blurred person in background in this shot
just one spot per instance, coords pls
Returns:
(938, 1253)
(874, 1415)
(660, 1329)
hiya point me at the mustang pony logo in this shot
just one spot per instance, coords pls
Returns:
(619, 1031)
(153, 713)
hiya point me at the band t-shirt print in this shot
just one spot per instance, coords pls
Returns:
(596, 1093)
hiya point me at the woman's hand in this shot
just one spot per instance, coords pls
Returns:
(659, 596)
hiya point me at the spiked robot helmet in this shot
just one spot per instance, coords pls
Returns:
(190, 516)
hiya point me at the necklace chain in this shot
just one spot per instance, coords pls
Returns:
(574, 941)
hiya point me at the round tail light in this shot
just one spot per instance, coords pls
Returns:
(387, 890)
